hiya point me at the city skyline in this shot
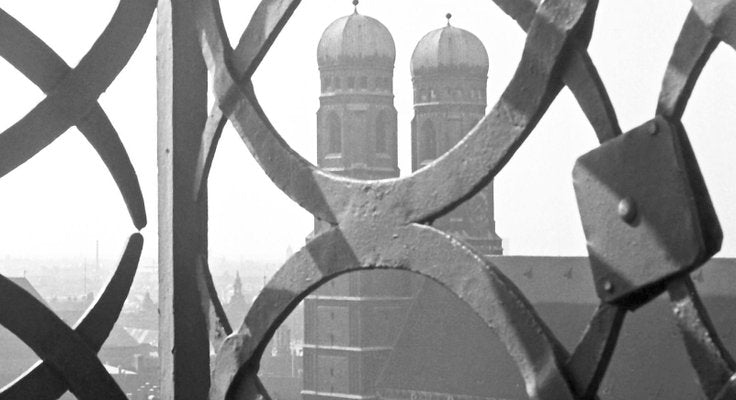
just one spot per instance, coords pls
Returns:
(76, 202)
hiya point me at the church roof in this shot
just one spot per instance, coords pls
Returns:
(356, 40)
(445, 350)
(447, 50)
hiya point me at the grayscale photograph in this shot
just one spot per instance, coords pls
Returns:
(368, 200)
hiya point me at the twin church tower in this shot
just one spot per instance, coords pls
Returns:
(352, 323)
(357, 120)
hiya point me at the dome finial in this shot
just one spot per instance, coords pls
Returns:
(355, 3)
(448, 16)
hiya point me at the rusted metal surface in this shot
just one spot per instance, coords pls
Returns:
(693, 48)
(628, 191)
(579, 73)
(365, 214)
(707, 24)
(365, 211)
(416, 248)
(710, 358)
(429, 192)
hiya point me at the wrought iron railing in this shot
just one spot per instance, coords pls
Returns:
(628, 191)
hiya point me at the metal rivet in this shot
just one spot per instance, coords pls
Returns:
(627, 210)
(653, 128)
(608, 286)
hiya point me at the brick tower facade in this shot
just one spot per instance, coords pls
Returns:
(449, 70)
(352, 323)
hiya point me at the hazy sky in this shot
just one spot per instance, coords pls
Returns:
(63, 200)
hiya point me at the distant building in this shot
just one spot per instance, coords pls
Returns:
(449, 70)
(143, 318)
(442, 351)
(393, 337)
(237, 306)
(351, 323)
(281, 367)
(445, 352)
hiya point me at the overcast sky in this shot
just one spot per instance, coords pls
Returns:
(63, 200)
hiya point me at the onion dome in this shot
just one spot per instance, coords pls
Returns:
(356, 40)
(448, 50)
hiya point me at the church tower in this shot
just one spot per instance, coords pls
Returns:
(449, 70)
(356, 121)
(352, 322)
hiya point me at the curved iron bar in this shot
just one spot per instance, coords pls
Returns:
(43, 382)
(68, 357)
(53, 341)
(269, 18)
(580, 74)
(219, 325)
(39, 63)
(584, 81)
(711, 361)
(601, 116)
(706, 25)
(416, 248)
(417, 198)
(76, 95)
(589, 362)
(692, 51)
(718, 16)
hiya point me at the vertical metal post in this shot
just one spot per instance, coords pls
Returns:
(182, 112)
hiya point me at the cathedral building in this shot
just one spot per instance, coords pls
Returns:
(356, 121)
(391, 336)
(449, 70)
(351, 323)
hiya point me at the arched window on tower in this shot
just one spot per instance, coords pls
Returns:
(334, 134)
(381, 133)
(428, 137)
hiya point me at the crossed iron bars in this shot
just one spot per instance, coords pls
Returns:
(382, 224)
(69, 360)
(378, 224)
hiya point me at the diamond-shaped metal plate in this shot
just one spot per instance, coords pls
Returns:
(642, 202)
